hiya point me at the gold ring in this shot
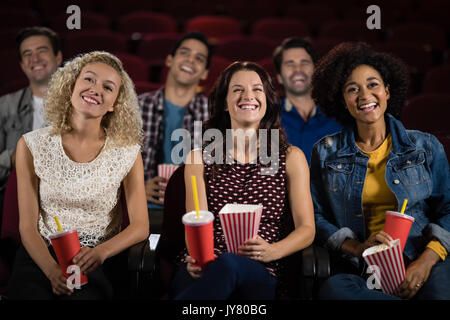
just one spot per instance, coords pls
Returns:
(418, 285)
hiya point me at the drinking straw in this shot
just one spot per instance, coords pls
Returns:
(58, 224)
(404, 206)
(194, 189)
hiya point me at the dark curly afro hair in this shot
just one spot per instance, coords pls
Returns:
(333, 70)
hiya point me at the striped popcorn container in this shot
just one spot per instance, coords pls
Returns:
(166, 171)
(239, 223)
(388, 263)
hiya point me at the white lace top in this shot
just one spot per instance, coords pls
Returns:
(84, 196)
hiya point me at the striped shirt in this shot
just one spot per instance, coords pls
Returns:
(152, 112)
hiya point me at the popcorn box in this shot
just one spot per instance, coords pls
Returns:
(166, 171)
(240, 222)
(390, 268)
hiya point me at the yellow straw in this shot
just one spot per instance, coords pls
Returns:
(194, 189)
(404, 206)
(57, 223)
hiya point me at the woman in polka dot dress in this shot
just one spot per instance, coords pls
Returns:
(244, 101)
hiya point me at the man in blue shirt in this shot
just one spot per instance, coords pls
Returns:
(301, 119)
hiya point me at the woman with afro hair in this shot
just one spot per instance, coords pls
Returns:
(371, 167)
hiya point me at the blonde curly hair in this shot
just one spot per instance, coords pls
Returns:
(123, 126)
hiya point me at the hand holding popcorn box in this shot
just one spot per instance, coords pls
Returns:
(240, 222)
(390, 268)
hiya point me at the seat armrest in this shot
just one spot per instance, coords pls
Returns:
(316, 262)
(141, 265)
(140, 258)
(315, 269)
(323, 268)
(308, 262)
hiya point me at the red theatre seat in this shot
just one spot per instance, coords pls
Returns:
(89, 21)
(214, 27)
(136, 67)
(10, 66)
(278, 29)
(154, 48)
(18, 18)
(9, 236)
(245, 48)
(146, 22)
(446, 143)
(218, 64)
(437, 80)
(268, 65)
(429, 113)
(349, 30)
(92, 40)
(429, 36)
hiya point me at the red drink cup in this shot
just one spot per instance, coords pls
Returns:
(397, 225)
(67, 245)
(199, 236)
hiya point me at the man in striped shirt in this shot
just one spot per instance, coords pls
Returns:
(175, 105)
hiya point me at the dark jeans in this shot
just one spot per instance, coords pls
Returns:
(28, 282)
(353, 287)
(229, 276)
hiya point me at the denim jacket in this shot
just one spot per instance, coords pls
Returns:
(417, 169)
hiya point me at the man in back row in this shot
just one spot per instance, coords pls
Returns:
(301, 118)
(176, 105)
(21, 111)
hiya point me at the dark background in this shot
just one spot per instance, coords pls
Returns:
(141, 33)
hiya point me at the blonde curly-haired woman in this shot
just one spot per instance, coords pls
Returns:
(74, 169)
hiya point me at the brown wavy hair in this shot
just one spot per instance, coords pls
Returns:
(123, 126)
(220, 119)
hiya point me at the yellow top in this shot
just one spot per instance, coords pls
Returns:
(377, 198)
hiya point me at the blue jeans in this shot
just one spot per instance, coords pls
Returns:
(230, 275)
(352, 287)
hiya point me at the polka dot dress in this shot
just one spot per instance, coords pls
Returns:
(244, 184)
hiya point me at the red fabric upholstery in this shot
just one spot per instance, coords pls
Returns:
(247, 48)
(429, 36)
(136, 67)
(429, 113)
(154, 48)
(214, 27)
(146, 22)
(446, 143)
(10, 219)
(278, 29)
(349, 30)
(83, 41)
(218, 64)
(9, 236)
(437, 79)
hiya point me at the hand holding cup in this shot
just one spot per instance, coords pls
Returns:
(58, 281)
(88, 259)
